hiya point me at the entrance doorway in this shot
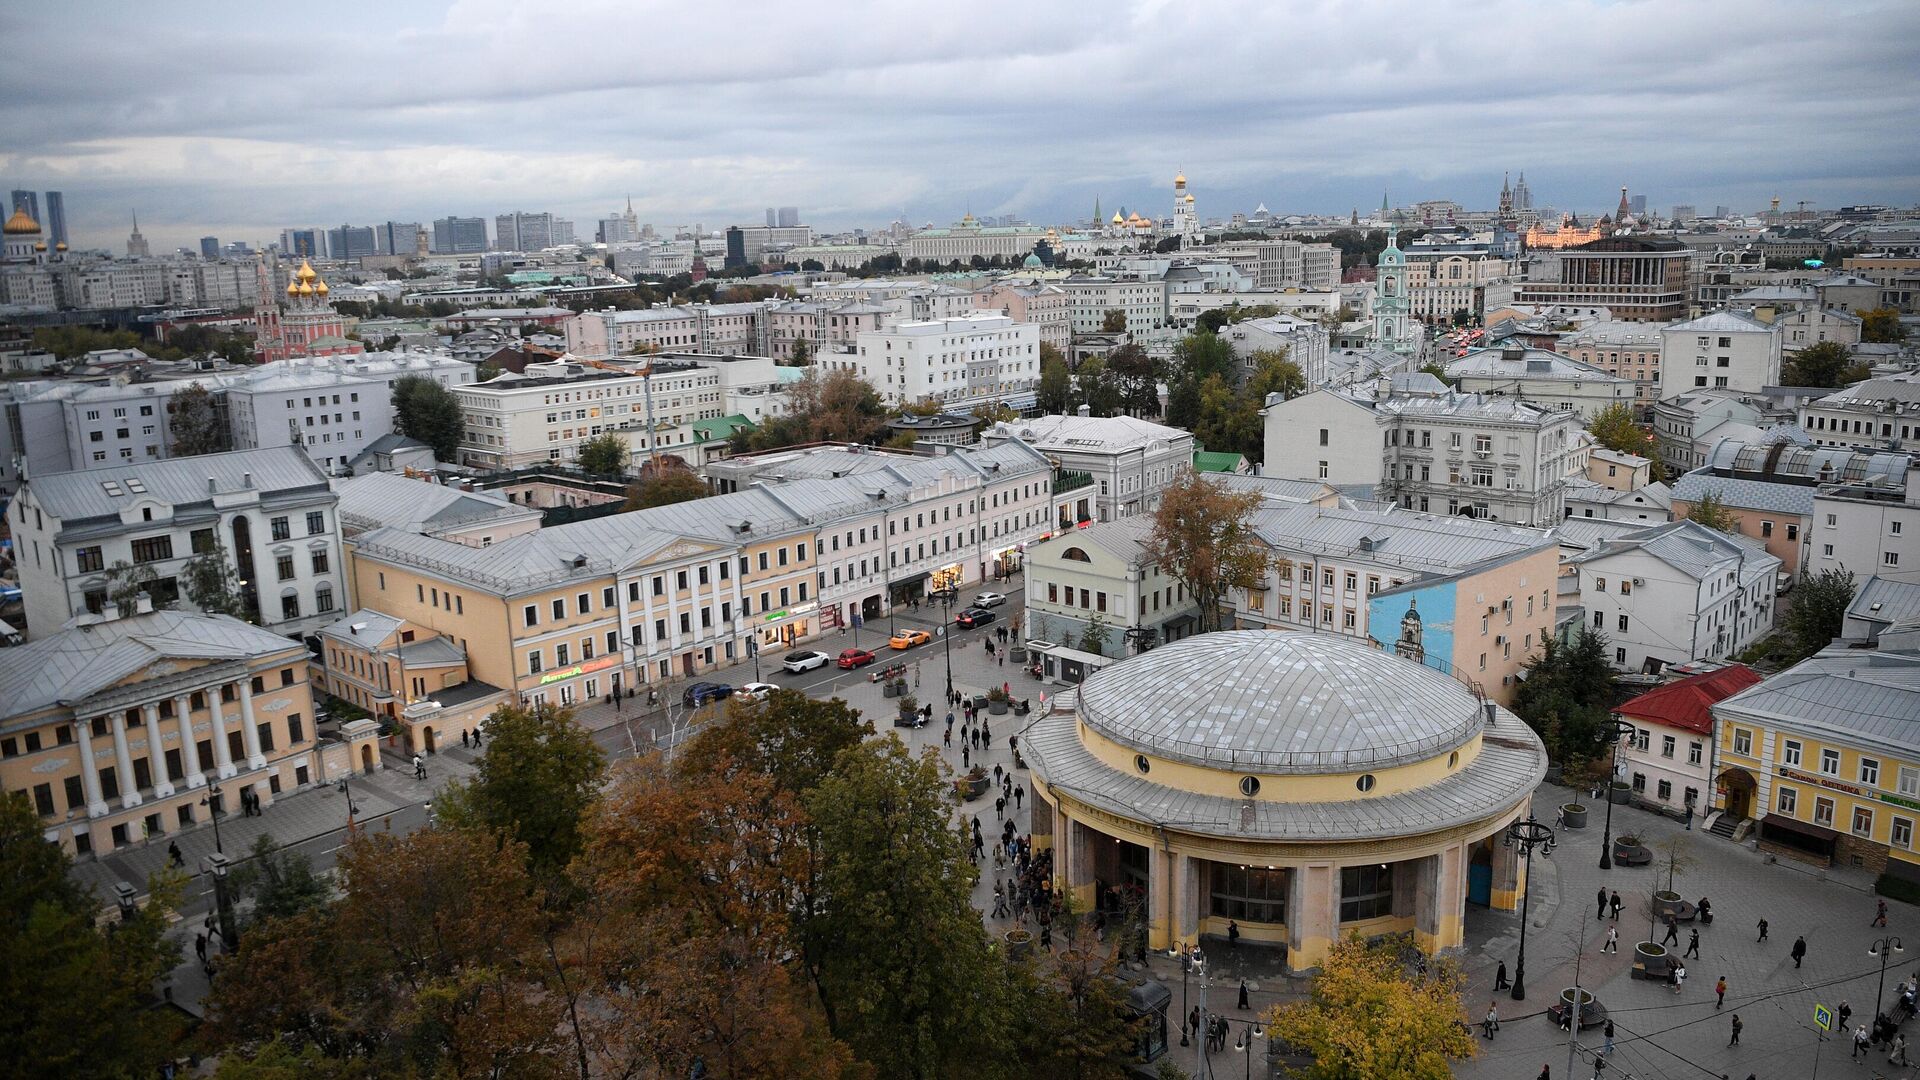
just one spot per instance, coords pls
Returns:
(366, 759)
(1736, 790)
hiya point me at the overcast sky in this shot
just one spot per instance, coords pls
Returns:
(241, 119)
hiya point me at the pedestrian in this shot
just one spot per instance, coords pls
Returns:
(1799, 949)
(1693, 944)
(1233, 934)
(1679, 977)
(463, 738)
(1601, 900)
(1500, 977)
(966, 757)
(1492, 1023)
(996, 773)
(1899, 1055)
(173, 853)
(949, 720)
(1546, 1073)
(1193, 1021)
(947, 739)
(1673, 932)
(1599, 1066)
(1614, 905)
(1720, 992)
(986, 734)
(1608, 1049)
(476, 734)
(1000, 808)
(1003, 659)
(1879, 913)
(200, 947)
(1860, 1042)
(1706, 911)
(1243, 996)
(1689, 817)
(1017, 793)
(1763, 931)
(1737, 1025)
(1844, 1011)
(1612, 944)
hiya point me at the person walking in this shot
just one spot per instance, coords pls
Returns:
(1500, 977)
(966, 758)
(1720, 992)
(1679, 977)
(1763, 931)
(1546, 1073)
(464, 741)
(200, 947)
(1844, 1012)
(1673, 932)
(1693, 945)
(1000, 808)
(947, 739)
(1879, 914)
(1612, 944)
(1737, 1025)
(1492, 1023)
(1861, 1042)
(1243, 996)
(1602, 902)
(1614, 905)
(1233, 934)
(1899, 1055)
(1017, 794)
(173, 854)
(1799, 949)
(1608, 1048)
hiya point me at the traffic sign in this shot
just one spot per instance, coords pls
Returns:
(1823, 1017)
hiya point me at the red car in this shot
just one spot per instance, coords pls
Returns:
(853, 658)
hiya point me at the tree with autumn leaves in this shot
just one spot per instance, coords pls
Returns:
(787, 897)
(1203, 538)
(1369, 1018)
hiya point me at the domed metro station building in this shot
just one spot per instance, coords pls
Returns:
(1299, 785)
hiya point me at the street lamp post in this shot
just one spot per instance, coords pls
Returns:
(1616, 729)
(1253, 1031)
(1526, 835)
(1190, 961)
(1882, 948)
(212, 802)
(217, 866)
(946, 597)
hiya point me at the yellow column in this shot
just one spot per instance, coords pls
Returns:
(1313, 915)
(1441, 890)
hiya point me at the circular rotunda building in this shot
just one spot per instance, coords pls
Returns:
(1300, 786)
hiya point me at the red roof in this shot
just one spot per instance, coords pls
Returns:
(1685, 704)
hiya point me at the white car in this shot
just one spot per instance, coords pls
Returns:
(989, 599)
(797, 662)
(756, 691)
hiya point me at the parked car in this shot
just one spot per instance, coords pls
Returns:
(757, 691)
(989, 599)
(973, 617)
(805, 660)
(907, 639)
(853, 658)
(702, 692)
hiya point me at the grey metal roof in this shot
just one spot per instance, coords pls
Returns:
(1424, 543)
(1889, 392)
(434, 651)
(182, 482)
(1884, 601)
(1263, 701)
(1852, 694)
(365, 627)
(1510, 764)
(1274, 488)
(73, 664)
(379, 500)
(1590, 532)
(1745, 494)
(1105, 433)
(1529, 365)
(1687, 546)
(1723, 322)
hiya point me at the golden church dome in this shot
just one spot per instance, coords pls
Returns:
(306, 272)
(293, 288)
(20, 224)
(1189, 198)
(40, 245)
(1180, 180)
(305, 289)
(320, 288)
(1117, 219)
(60, 246)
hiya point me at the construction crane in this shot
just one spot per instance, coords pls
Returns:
(646, 390)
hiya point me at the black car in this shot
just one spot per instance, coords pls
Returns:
(972, 617)
(702, 692)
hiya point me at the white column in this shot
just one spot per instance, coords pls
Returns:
(222, 756)
(189, 748)
(123, 763)
(156, 751)
(249, 730)
(89, 769)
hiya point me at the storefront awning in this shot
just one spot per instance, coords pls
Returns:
(1804, 828)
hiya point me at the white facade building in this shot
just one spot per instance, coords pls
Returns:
(1878, 414)
(695, 328)
(1305, 342)
(1542, 377)
(1122, 462)
(271, 510)
(972, 360)
(1725, 349)
(1677, 592)
(1867, 529)
(1630, 350)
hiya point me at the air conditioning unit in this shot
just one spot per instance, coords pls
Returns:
(1638, 582)
(1499, 639)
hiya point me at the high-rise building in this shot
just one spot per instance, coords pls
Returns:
(137, 244)
(1522, 194)
(350, 241)
(28, 201)
(209, 247)
(773, 217)
(459, 235)
(56, 218)
(522, 231)
(303, 243)
(395, 237)
(561, 232)
(1638, 204)
(789, 217)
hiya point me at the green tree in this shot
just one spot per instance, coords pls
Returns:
(427, 411)
(1438, 371)
(915, 988)
(604, 455)
(1203, 538)
(1055, 392)
(1228, 420)
(1096, 388)
(665, 487)
(1825, 363)
(1113, 321)
(1096, 636)
(1712, 512)
(280, 883)
(1568, 694)
(1368, 1018)
(1881, 324)
(802, 352)
(126, 581)
(1272, 373)
(1818, 611)
(1136, 377)
(192, 425)
(77, 998)
(212, 585)
(823, 406)
(539, 774)
(1200, 355)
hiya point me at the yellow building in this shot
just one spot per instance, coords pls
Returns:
(1299, 786)
(123, 731)
(1826, 755)
(576, 612)
(413, 677)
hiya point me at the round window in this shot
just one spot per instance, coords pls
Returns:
(1453, 759)
(1140, 762)
(1365, 783)
(1249, 786)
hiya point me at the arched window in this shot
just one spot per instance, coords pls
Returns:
(1074, 554)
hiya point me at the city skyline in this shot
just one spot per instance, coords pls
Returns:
(1030, 110)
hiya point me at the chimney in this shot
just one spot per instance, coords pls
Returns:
(1084, 410)
(213, 487)
(246, 480)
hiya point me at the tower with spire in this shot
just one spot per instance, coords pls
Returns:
(1185, 221)
(1621, 215)
(1394, 326)
(1522, 195)
(305, 325)
(699, 273)
(137, 244)
(1506, 201)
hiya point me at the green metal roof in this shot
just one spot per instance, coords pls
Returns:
(1217, 461)
(720, 427)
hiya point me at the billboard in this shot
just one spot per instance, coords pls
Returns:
(1415, 622)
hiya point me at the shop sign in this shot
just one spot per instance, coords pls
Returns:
(789, 613)
(584, 668)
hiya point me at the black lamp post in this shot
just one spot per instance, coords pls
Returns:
(217, 866)
(1882, 948)
(946, 597)
(1616, 729)
(1190, 960)
(212, 802)
(1526, 835)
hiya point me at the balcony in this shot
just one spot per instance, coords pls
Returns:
(1065, 480)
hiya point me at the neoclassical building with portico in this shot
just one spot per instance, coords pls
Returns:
(1302, 786)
